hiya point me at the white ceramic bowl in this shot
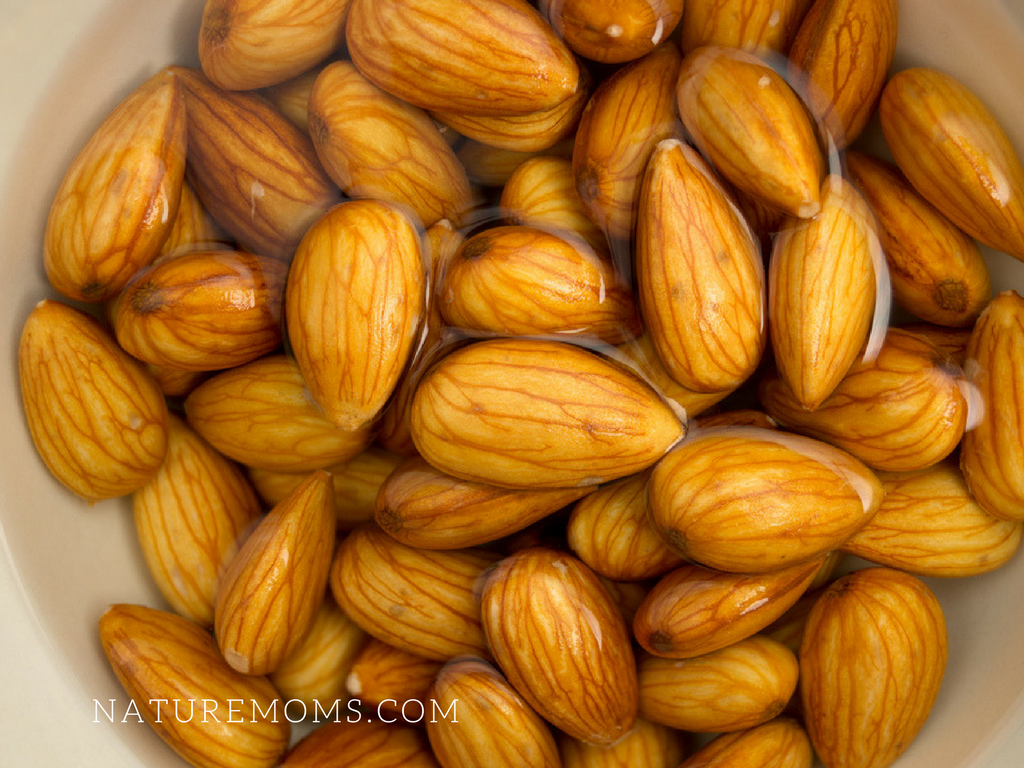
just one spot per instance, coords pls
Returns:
(63, 65)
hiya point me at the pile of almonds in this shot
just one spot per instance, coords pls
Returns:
(534, 366)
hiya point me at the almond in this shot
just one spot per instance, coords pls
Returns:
(781, 743)
(114, 207)
(421, 601)
(492, 166)
(538, 414)
(752, 127)
(191, 519)
(495, 726)
(992, 454)
(291, 97)
(353, 304)
(173, 382)
(248, 44)
(274, 586)
(531, 603)
(613, 32)
(764, 26)
(384, 677)
(647, 745)
(361, 744)
(741, 417)
(165, 661)
(193, 228)
(752, 500)
(701, 282)
(98, 420)
(485, 57)
(905, 409)
(788, 629)
(731, 689)
(949, 341)
(954, 152)
(871, 664)
(260, 414)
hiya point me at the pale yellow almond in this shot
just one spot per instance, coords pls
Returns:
(613, 31)
(97, 418)
(117, 200)
(193, 228)
(763, 26)
(780, 743)
(647, 745)
(363, 743)
(384, 677)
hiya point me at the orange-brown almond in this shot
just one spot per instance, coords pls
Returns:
(173, 382)
(164, 661)
(647, 745)
(780, 743)
(788, 629)
(538, 414)
(949, 341)
(769, 25)
(384, 677)
(532, 602)
(97, 418)
(613, 31)
(273, 588)
(361, 743)
(193, 228)
(492, 166)
(291, 97)
(741, 417)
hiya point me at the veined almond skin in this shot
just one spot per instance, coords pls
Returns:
(363, 743)
(752, 127)
(531, 602)
(524, 281)
(538, 414)
(613, 31)
(114, 207)
(291, 97)
(495, 726)
(261, 415)
(421, 601)
(780, 743)
(431, 54)
(627, 116)
(742, 417)
(175, 383)
(732, 689)
(492, 166)
(992, 454)
(160, 657)
(871, 665)
(273, 588)
(750, 500)
(952, 149)
(788, 629)
(354, 302)
(358, 129)
(203, 310)
(701, 281)
(249, 44)
(254, 171)
(97, 418)
(423, 507)
(384, 677)
(821, 292)
(761, 26)
(840, 61)
(949, 341)
(647, 745)
(929, 525)
(193, 228)
(903, 410)
(937, 272)
(191, 519)
(694, 610)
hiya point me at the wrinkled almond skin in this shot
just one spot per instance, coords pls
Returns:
(162, 659)
(752, 127)
(273, 588)
(524, 281)
(732, 689)
(840, 61)
(261, 415)
(627, 116)
(421, 601)
(613, 31)
(952, 149)
(701, 281)
(780, 743)
(97, 418)
(769, 25)
(531, 602)
(871, 664)
(191, 519)
(114, 207)
(433, 55)
(538, 414)
(362, 743)
(384, 677)
(821, 292)
(903, 410)
(992, 454)
(249, 44)
(358, 129)
(750, 500)
(647, 745)
(353, 305)
(937, 272)
(694, 610)
(495, 725)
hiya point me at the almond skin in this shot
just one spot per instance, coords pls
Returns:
(781, 743)
(954, 152)
(950, 341)
(162, 658)
(383, 676)
(538, 414)
(434, 55)
(770, 25)
(531, 602)
(492, 166)
(97, 418)
(274, 586)
(701, 282)
(361, 744)
(193, 228)
(863, 706)
(613, 31)
(291, 97)
(647, 745)
(114, 207)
